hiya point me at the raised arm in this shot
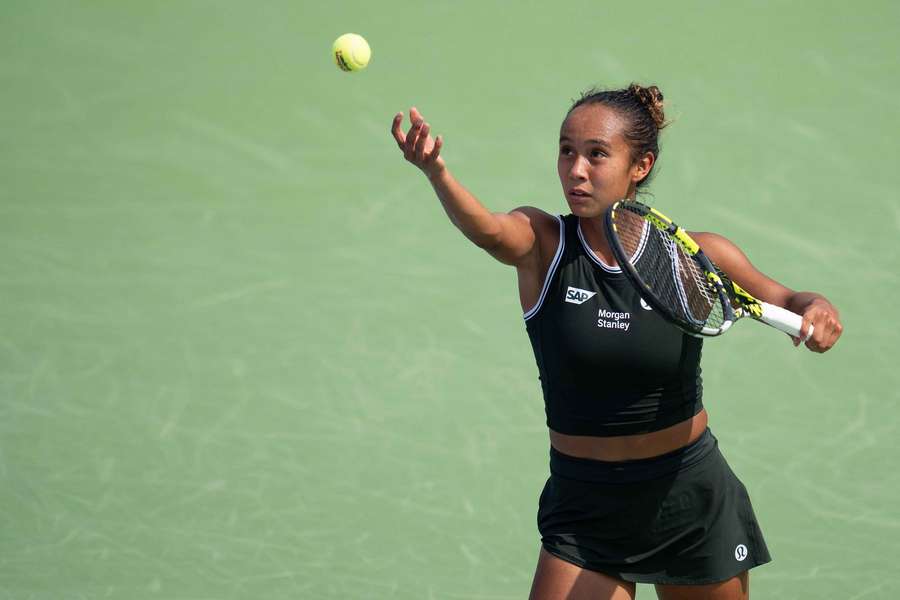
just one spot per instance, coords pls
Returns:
(508, 237)
(814, 308)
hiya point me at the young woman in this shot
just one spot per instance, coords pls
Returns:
(638, 490)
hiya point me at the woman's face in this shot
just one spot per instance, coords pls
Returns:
(595, 164)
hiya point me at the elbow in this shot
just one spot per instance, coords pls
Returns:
(486, 241)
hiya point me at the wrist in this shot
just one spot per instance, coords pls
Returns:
(821, 300)
(807, 300)
(437, 174)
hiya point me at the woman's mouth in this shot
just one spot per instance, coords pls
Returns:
(578, 194)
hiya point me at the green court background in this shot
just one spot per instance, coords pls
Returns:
(243, 354)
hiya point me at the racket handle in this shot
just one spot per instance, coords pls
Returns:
(783, 320)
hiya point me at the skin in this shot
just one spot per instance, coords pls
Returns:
(595, 157)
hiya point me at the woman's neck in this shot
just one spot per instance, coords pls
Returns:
(595, 236)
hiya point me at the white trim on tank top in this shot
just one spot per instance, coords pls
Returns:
(550, 271)
(603, 265)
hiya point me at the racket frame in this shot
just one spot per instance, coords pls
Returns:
(691, 247)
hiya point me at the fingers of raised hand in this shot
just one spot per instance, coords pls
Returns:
(412, 137)
(422, 143)
(436, 151)
(417, 144)
(396, 131)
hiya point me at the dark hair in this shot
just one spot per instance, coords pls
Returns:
(642, 107)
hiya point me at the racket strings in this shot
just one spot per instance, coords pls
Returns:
(702, 297)
(657, 265)
(630, 229)
(694, 295)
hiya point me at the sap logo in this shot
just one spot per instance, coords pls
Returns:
(578, 296)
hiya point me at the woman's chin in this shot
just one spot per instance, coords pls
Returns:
(584, 209)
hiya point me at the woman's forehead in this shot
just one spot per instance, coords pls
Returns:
(593, 121)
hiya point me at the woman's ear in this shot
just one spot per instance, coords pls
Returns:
(642, 166)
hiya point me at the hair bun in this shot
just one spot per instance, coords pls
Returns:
(652, 99)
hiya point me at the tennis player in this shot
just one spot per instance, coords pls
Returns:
(638, 491)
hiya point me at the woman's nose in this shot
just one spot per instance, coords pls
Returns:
(579, 169)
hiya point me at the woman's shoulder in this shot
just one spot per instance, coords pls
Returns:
(545, 225)
(536, 214)
(541, 221)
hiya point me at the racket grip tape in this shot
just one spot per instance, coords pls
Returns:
(783, 320)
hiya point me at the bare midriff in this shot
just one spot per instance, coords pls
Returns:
(632, 447)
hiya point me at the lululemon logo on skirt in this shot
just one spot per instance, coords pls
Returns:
(740, 552)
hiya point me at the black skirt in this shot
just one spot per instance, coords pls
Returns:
(680, 518)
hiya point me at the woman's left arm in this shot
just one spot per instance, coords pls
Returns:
(815, 309)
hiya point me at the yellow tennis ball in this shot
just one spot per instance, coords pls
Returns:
(351, 52)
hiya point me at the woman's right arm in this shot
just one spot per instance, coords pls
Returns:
(510, 238)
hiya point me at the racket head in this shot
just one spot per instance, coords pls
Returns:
(668, 268)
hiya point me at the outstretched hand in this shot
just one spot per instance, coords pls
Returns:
(417, 145)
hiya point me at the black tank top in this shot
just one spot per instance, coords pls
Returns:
(609, 365)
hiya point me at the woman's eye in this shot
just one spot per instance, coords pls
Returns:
(565, 150)
(598, 153)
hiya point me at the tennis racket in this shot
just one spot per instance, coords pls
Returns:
(678, 280)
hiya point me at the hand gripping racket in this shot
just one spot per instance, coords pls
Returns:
(678, 280)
